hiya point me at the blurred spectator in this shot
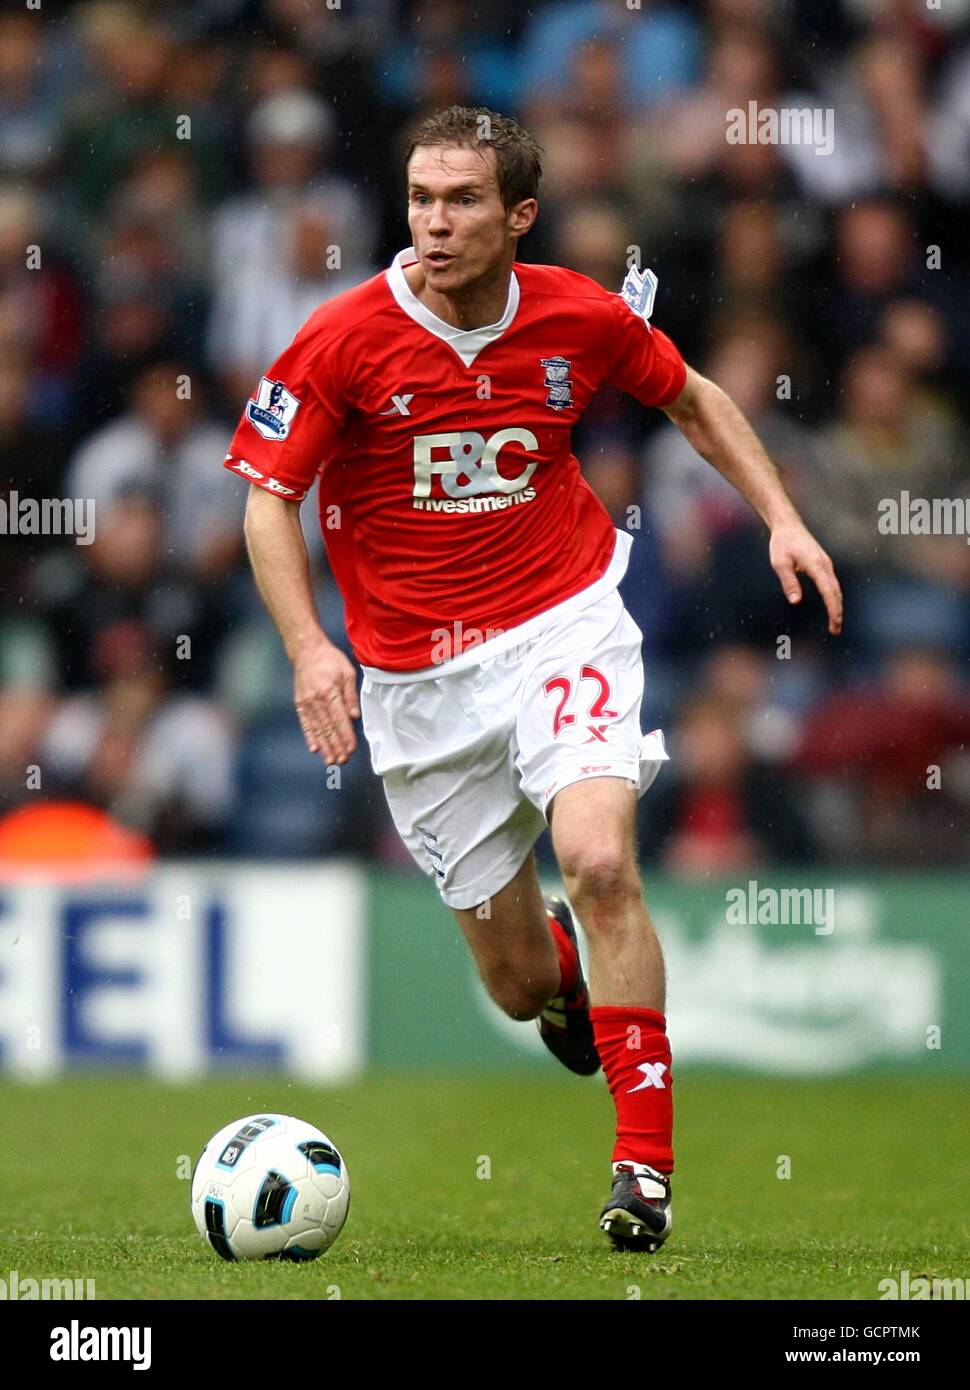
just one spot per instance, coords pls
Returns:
(889, 765)
(771, 693)
(135, 328)
(721, 810)
(441, 58)
(124, 111)
(915, 333)
(876, 95)
(164, 448)
(878, 259)
(29, 117)
(25, 711)
(40, 303)
(121, 578)
(888, 440)
(659, 46)
(157, 760)
(741, 66)
(594, 238)
(31, 453)
(713, 542)
(948, 140)
(302, 236)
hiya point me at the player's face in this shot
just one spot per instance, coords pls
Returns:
(460, 229)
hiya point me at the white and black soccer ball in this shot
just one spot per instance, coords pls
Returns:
(270, 1187)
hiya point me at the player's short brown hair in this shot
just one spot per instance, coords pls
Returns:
(517, 153)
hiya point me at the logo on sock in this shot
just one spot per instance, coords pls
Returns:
(653, 1075)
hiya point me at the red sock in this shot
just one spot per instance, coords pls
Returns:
(568, 958)
(633, 1047)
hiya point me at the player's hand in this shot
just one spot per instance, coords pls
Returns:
(794, 550)
(325, 691)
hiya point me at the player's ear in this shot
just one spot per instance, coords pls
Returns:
(522, 216)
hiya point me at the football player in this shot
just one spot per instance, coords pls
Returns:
(501, 674)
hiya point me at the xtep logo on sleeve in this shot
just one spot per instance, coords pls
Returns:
(255, 475)
(400, 406)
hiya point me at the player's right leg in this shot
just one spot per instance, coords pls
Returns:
(514, 950)
(527, 954)
(445, 751)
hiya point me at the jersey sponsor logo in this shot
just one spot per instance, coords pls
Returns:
(400, 406)
(639, 290)
(557, 382)
(272, 409)
(246, 470)
(463, 506)
(466, 465)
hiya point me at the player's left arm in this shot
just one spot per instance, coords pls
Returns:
(716, 428)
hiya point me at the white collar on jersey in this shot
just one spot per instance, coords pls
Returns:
(467, 342)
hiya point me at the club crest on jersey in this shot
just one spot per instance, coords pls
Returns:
(639, 290)
(560, 388)
(272, 409)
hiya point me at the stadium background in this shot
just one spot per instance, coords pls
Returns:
(258, 914)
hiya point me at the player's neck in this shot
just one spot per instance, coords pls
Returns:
(476, 306)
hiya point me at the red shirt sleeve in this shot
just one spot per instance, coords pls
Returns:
(292, 422)
(646, 364)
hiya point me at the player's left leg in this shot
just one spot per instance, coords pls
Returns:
(583, 762)
(593, 833)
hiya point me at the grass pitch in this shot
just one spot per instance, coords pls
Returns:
(880, 1181)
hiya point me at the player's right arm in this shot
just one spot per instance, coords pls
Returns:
(325, 682)
(294, 421)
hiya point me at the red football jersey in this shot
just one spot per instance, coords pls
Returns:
(449, 494)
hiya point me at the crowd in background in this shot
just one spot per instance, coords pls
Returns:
(829, 294)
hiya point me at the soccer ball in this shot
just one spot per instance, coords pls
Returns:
(270, 1187)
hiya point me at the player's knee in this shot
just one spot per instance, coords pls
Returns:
(519, 1004)
(599, 873)
(516, 1000)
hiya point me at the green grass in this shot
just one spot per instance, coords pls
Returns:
(880, 1177)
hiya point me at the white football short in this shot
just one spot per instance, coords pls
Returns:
(470, 761)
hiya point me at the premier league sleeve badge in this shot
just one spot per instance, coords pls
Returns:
(272, 409)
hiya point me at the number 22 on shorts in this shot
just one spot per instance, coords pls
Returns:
(598, 712)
